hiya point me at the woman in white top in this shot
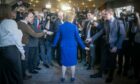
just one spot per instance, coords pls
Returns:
(11, 49)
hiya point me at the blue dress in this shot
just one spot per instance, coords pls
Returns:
(69, 39)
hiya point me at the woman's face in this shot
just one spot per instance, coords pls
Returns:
(30, 18)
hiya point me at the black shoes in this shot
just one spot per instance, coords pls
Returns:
(34, 72)
(108, 80)
(72, 79)
(62, 79)
(97, 75)
(46, 65)
(88, 68)
(85, 64)
(27, 77)
(119, 72)
(37, 68)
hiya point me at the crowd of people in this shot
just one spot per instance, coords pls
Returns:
(101, 40)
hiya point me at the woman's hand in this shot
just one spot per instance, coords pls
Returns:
(88, 40)
(137, 15)
(50, 33)
(86, 48)
(113, 50)
(23, 56)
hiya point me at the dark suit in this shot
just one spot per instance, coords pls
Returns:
(57, 23)
(113, 34)
(88, 32)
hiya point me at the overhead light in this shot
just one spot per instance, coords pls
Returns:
(32, 0)
(83, 3)
(95, 18)
(36, 1)
(65, 7)
(94, 5)
(48, 5)
(89, 0)
(59, 0)
(69, 1)
(34, 5)
(30, 3)
(57, 10)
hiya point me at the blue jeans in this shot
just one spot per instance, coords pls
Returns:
(46, 52)
(32, 58)
(42, 51)
(48, 46)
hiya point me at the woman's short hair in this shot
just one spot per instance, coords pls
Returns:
(25, 14)
(5, 11)
(69, 16)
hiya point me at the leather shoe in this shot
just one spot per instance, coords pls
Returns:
(72, 79)
(108, 80)
(34, 72)
(46, 65)
(62, 79)
(97, 75)
(27, 77)
(88, 68)
(37, 68)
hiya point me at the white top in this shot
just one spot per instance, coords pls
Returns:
(10, 34)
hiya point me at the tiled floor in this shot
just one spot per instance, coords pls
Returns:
(53, 75)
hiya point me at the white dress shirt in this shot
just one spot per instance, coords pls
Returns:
(10, 34)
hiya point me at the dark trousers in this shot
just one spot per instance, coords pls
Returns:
(92, 55)
(10, 66)
(46, 52)
(57, 54)
(25, 62)
(33, 56)
(108, 61)
(104, 55)
(137, 60)
(42, 49)
(126, 53)
(48, 46)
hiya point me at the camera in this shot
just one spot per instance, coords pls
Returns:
(132, 17)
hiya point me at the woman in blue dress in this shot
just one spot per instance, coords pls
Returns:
(69, 39)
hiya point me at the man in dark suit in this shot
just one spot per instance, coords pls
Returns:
(114, 33)
(88, 31)
(57, 23)
(49, 39)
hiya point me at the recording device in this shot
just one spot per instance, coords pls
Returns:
(129, 17)
(132, 17)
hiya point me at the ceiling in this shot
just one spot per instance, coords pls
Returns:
(90, 4)
(38, 4)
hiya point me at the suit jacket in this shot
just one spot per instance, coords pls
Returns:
(52, 29)
(27, 32)
(114, 33)
(57, 23)
(33, 41)
(85, 30)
